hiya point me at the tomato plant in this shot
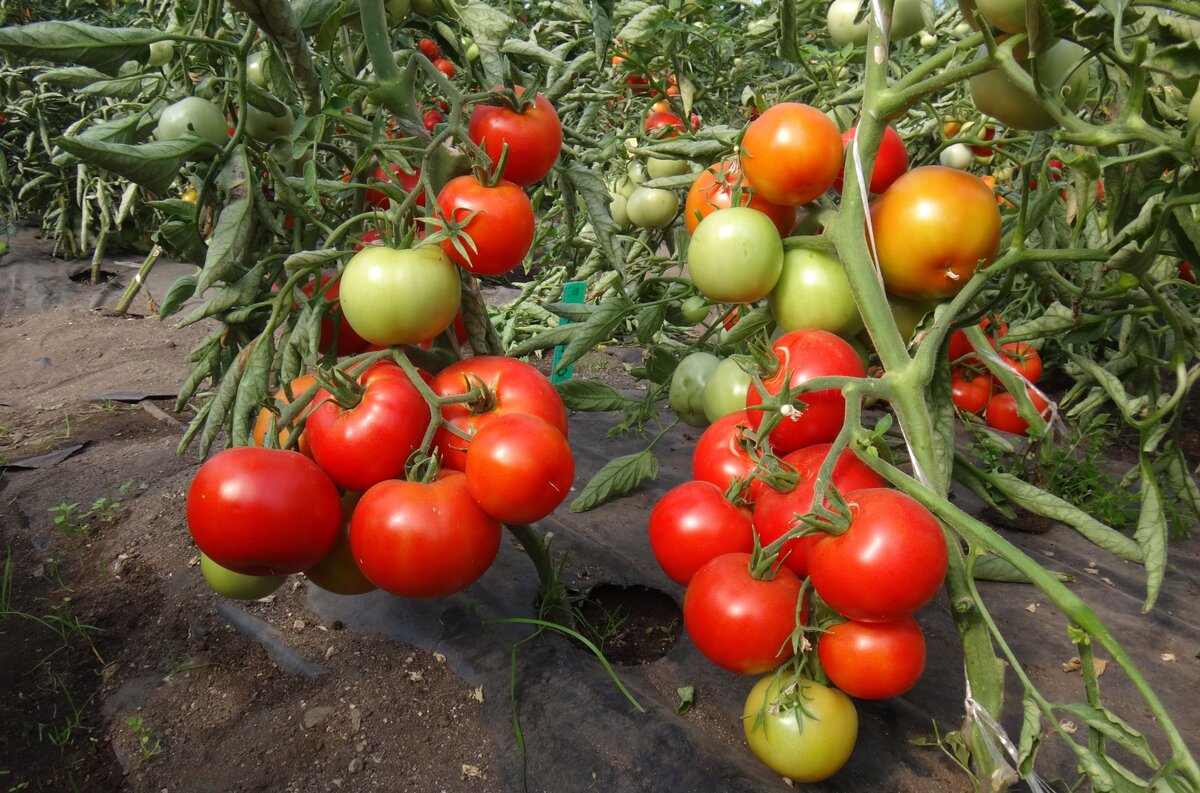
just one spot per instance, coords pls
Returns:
(890, 162)
(1023, 359)
(970, 390)
(1002, 412)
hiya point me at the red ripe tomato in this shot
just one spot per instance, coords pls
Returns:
(803, 355)
(692, 525)
(408, 181)
(873, 660)
(740, 623)
(432, 118)
(888, 563)
(429, 49)
(933, 227)
(970, 390)
(960, 345)
(263, 511)
(445, 67)
(362, 444)
(713, 190)
(792, 153)
(775, 512)
(534, 137)
(664, 124)
(890, 163)
(519, 468)
(263, 421)
(724, 453)
(420, 540)
(1186, 273)
(1022, 359)
(638, 84)
(513, 386)
(336, 333)
(502, 229)
(369, 237)
(1002, 412)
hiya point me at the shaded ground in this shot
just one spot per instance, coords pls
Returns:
(124, 672)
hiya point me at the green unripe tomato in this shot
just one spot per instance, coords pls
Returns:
(238, 586)
(651, 208)
(658, 168)
(813, 292)
(636, 172)
(266, 127)
(997, 96)
(686, 396)
(725, 391)
(735, 256)
(256, 67)
(807, 746)
(160, 53)
(624, 188)
(617, 208)
(196, 115)
(394, 296)
(1194, 109)
(425, 8)
(694, 309)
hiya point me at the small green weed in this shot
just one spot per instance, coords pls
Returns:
(103, 510)
(149, 745)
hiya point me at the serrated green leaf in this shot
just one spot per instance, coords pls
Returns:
(123, 129)
(307, 259)
(642, 24)
(530, 51)
(756, 321)
(598, 328)
(78, 42)
(312, 14)
(593, 194)
(1112, 727)
(131, 87)
(154, 165)
(489, 26)
(618, 477)
(182, 239)
(591, 396)
(650, 321)
(231, 236)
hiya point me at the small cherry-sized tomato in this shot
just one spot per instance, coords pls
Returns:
(694, 523)
(1002, 413)
(408, 181)
(888, 563)
(873, 660)
(664, 124)
(804, 355)
(519, 468)
(890, 163)
(432, 118)
(792, 153)
(960, 346)
(362, 444)
(970, 391)
(392, 296)
(420, 540)
(501, 229)
(713, 190)
(512, 387)
(741, 623)
(735, 256)
(533, 135)
(1023, 359)
(806, 746)
(932, 228)
(430, 49)
(262, 511)
(1185, 268)
(445, 66)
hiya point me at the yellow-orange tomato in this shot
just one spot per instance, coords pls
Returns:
(298, 386)
(933, 227)
(792, 153)
(713, 190)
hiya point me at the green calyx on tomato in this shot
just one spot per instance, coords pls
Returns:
(686, 395)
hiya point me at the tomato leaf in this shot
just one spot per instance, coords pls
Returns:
(591, 396)
(178, 294)
(312, 14)
(989, 567)
(1112, 727)
(618, 477)
(231, 237)
(488, 26)
(749, 325)
(687, 698)
(1031, 734)
(1151, 533)
(72, 77)
(530, 51)
(650, 321)
(78, 42)
(642, 24)
(598, 329)
(182, 239)
(131, 87)
(590, 188)
(154, 165)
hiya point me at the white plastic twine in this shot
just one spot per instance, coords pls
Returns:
(994, 734)
(882, 48)
(1055, 421)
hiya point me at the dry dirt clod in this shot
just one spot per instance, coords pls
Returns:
(314, 717)
(356, 765)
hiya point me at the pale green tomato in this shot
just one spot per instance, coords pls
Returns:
(266, 127)
(651, 208)
(928, 40)
(397, 10)
(814, 293)
(425, 8)
(196, 115)
(617, 209)
(686, 396)
(962, 28)
(394, 296)
(636, 172)
(735, 255)
(908, 314)
(997, 96)
(658, 168)
(256, 67)
(906, 21)
(694, 309)
(129, 68)
(238, 586)
(805, 734)
(956, 155)
(1194, 109)
(1009, 15)
(160, 53)
(624, 188)
(725, 391)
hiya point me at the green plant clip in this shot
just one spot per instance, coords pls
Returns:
(573, 292)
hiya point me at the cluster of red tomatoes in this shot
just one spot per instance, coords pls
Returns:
(742, 612)
(973, 388)
(349, 508)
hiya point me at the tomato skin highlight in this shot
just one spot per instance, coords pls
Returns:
(792, 153)
(263, 512)
(421, 540)
(534, 137)
(692, 524)
(502, 229)
(738, 622)
(932, 228)
(873, 660)
(809, 751)
(519, 468)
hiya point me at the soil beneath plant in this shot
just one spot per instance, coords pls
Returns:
(123, 671)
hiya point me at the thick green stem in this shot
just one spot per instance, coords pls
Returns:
(135, 286)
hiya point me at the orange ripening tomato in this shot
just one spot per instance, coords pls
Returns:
(259, 434)
(713, 190)
(792, 153)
